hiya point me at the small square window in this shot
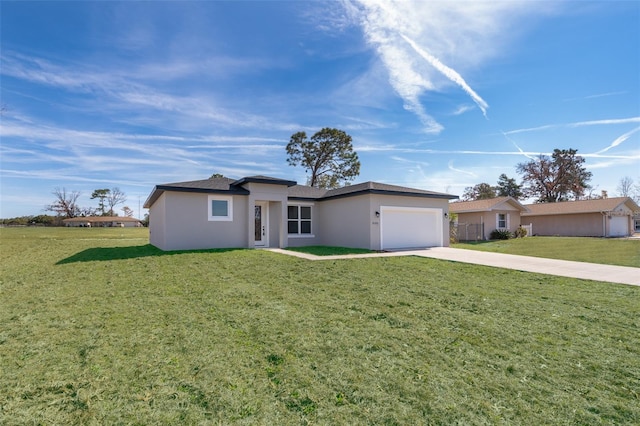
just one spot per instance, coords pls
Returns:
(219, 208)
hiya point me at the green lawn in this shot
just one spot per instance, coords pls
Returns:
(611, 251)
(98, 327)
(329, 250)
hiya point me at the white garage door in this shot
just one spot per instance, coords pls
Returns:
(410, 227)
(618, 226)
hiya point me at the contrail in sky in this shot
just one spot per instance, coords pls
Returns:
(517, 147)
(619, 140)
(451, 74)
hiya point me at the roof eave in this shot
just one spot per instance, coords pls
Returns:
(159, 189)
(388, 192)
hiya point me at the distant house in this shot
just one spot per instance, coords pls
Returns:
(103, 221)
(608, 217)
(479, 218)
(262, 211)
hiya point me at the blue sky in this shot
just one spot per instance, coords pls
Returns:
(436, 95)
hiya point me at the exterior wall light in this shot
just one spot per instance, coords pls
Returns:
(377, 214)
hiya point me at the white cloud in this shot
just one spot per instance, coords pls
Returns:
(450, 73)
(414, 39)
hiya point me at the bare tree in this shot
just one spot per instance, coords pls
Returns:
(115, 197)
(65, 204)
(625, 187)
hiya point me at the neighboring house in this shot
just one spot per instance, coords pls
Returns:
(607, 217)
(261, 211)
(103, 221)
(478, 219)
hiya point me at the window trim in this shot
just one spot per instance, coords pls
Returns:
(228, 217)
(506, 221)
(299, 234)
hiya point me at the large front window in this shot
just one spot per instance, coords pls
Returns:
(299, 220)
(502, 221)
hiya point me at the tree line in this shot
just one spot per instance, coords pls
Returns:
(66, 204)
(549, 179)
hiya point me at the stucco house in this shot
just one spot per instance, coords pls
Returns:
(102, 221)
(607, 217)
(479, 218)
(261, 211)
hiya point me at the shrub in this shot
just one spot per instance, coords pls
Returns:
(500, 234)
(520, 232)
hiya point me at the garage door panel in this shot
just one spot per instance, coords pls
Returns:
(410, 227)
(618, 226)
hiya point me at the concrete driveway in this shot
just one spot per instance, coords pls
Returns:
(562, 268)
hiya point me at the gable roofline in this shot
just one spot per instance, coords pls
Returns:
(603, 205)
(485, 205)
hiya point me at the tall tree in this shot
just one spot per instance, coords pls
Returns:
(101, 195)
(561, 177)
(328, 156)
(507, 187)
(65, 204)
(127, 211)
(114, 198)
(481, 191)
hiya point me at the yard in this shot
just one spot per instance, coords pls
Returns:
(609, 251)
(96, 326)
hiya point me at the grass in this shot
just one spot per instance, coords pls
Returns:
(98, 327)
(610, 251)
(329, 250)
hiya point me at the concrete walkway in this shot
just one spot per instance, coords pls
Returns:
(562, 268)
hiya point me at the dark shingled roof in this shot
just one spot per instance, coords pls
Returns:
(299, 192)
(217, 185)
(383, 188)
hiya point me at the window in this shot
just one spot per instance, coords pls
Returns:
(502, 221)
(299, 220)
(220, 208)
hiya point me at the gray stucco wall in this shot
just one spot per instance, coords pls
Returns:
(346, 222)
(185, 225)
(157, 223)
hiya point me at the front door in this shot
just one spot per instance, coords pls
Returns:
(261, 228)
